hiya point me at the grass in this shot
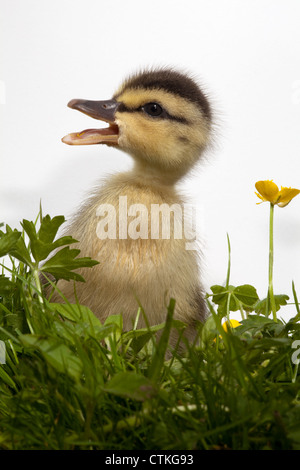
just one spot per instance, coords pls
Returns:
(70, 382)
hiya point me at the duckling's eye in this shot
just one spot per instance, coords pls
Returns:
(153, 109)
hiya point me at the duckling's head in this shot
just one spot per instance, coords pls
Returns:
(160, 117)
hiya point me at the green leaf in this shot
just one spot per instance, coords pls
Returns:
(21, 253)
(141, 336)
(6, 286)
(41, 242)
(29, 228)
(49, 228)
(116, 320)
(224, 298)
(263, 307)
(139, 341)
(76, 313)
(263, 328)
(131, 385)
(255, 323)
(12, 243)
(220, 297)
(57, 354)
(233, 298)
(37, 248)
(247, 295)
(62, 264)
(8, 242)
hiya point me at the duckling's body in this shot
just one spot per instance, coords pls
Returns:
(165, 129)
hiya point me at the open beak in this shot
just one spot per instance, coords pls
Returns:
(102, 110)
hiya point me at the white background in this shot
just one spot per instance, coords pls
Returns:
(246, 53)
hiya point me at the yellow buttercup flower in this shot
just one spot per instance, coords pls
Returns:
(230, 323)
(269, 192)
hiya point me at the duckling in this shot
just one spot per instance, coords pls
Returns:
(163, 120)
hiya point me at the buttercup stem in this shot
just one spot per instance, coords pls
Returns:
(271, 260)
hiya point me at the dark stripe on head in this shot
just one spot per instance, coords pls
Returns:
(173, 82)
(122, 108)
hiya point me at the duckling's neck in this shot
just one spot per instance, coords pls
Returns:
(153, 175)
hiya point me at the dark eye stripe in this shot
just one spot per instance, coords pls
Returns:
(122, 108)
